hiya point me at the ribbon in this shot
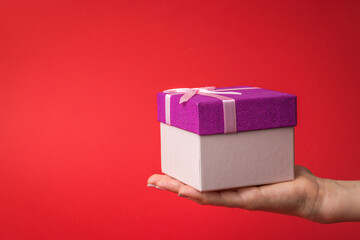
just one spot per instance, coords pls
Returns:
(229, 107)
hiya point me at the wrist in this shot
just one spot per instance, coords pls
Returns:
(337, 201)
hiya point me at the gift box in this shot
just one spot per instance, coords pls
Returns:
(221, 138)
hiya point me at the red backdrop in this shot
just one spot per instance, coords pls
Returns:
(78, 129)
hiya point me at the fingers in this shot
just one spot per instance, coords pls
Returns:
(226, 198)
(247, 198)
(165, 182)
(190, 192)
(173, 185)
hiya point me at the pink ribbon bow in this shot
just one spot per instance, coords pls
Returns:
(228, 103)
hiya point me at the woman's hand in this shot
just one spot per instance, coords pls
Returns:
(310, 197)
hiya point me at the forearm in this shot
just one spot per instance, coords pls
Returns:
(339, 201)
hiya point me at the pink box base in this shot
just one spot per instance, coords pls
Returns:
(223, 161)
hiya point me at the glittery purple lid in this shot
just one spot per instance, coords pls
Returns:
(255, 109)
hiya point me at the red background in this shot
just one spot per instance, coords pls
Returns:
(78, 129)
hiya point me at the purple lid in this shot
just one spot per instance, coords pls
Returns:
(256, 108)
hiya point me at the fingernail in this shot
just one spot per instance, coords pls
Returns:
(180, 195)
(151, 185)
(160, 188)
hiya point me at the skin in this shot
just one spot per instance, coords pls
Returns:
(310, 197)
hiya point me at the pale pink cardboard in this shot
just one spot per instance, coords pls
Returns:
(222, 161)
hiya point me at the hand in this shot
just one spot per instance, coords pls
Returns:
(307, 196)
